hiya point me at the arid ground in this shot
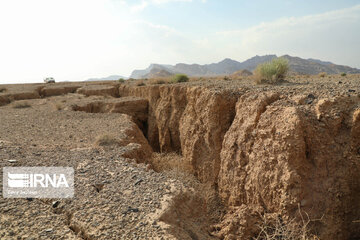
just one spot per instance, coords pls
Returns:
(206, 159)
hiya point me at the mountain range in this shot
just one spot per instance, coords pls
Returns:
(229, 66)
(109, 78)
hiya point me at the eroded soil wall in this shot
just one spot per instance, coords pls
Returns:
(265, 151)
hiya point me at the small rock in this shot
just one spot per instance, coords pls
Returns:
(351, 90)
(49, 230)
(55, 204)
(130, 209)
(138, 182)
(12, 160)
(98, 186)
(310, 98)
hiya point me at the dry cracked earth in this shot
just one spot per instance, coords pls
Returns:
(257, 157)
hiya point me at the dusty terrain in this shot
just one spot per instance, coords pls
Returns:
(256, 153)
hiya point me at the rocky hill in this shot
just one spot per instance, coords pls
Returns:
(158, 73)
(312, 66)
(229, 66)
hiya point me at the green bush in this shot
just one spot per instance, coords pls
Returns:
(272, 72)
(178, 78)
(121, 80)
(343, 74)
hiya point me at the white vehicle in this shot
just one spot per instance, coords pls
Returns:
(49, 80)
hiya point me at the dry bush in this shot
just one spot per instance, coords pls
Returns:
(141, 83)
(22, 105)
(322, 74)
(273, 227)
(106, 140)
(170, 161)
(2, 89)
(158, 81)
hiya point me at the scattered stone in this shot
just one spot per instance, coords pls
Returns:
(12, 160)
(310, 99)
(138, 182)
(55, 204)
(98, 186)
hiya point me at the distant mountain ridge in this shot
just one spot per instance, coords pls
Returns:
(229, 66)
(109, 78)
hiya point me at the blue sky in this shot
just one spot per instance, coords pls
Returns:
(78, 39)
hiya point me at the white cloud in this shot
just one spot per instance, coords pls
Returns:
(139, 7)
(331, 36)
(145, 3)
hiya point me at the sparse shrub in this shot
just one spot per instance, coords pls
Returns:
(2, 89)
(121, 80)
(274, 227)
(272, 72)
(22, 105)
(343, 74)
(141, 83)
(157, 81)
(58, 106)
(106, 140)
(322, 74)
(178, 78)
(170, 161)
(226, 78)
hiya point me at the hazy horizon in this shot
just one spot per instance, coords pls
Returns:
(77, 40)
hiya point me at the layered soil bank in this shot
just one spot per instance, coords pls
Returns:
(269, 150)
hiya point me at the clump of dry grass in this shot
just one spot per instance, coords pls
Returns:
(141, 83)
(170, 161)
(2, 89)
(58, 106)
(106, 140)
(322, 74)
(158, 81)
(22, 105)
